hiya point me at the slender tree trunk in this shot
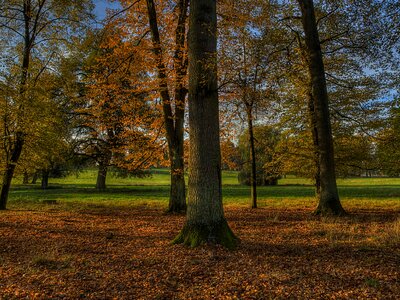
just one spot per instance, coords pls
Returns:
(329, 203)
(177, 201)
(253, 173)
(174, 121)
(9, 170)
(314, 133)
(205, 221)
(45, 179)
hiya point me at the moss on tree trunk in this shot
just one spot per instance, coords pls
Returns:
(194, 235)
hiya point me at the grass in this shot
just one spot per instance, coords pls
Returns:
(117, 243)
(290, 193)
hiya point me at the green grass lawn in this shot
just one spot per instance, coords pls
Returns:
(290, 193)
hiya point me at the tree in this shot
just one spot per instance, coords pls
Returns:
(388, 142)
(166, 21)
(205, 221)
(329, 202)
(268, 165)
(249, 54)
(119, 126)
(30, 28)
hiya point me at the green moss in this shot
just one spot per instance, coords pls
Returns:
(194, 235)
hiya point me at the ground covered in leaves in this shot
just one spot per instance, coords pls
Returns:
(125, 253)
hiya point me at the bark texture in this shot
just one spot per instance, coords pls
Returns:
(205, 221)
(329, 202)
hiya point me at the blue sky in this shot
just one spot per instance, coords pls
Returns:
(101, 6)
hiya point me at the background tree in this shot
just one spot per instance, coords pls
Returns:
(248, 56)
(269, 164)
(166, 21)
(29, 27)
(118, 125)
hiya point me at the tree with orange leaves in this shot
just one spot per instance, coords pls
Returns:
(166, 21)
(119, 126)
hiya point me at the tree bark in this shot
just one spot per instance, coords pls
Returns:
(45, 179)
(25, 178)
(9, 170)
(314, 133)
(34, 178)
(177, 201)
(329, 202)
(253, 173)
(205, 221)
(101, 176)
(174, 120)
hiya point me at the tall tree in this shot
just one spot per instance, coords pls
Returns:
(329, 202)
(249, 54)
(30, 28)
(171, 67)
(205, 221)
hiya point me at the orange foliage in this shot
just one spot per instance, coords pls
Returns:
(119, 115)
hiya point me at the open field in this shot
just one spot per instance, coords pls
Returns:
(291, 193)
(116, 244)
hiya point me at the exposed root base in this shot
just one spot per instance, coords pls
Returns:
(193, 235)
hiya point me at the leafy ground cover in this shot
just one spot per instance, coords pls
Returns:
(125, 252)
(116, 244)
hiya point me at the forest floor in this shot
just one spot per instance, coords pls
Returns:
(103, 252)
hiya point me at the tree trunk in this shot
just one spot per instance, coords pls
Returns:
(177, 201)
(34, 178)
(25, 179)
(205, 221)
(101, 176)
(329, 203)
(45, 179)
(314, 133)
(174, 122)
(253, 173)
(9, 170)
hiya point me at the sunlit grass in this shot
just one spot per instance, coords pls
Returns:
(291, 193)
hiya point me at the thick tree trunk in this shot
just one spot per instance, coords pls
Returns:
(101, 177)
(9, 170)
(329, 203)
(253, 173)
(45, 179)
(205, 221)
(174, 122)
